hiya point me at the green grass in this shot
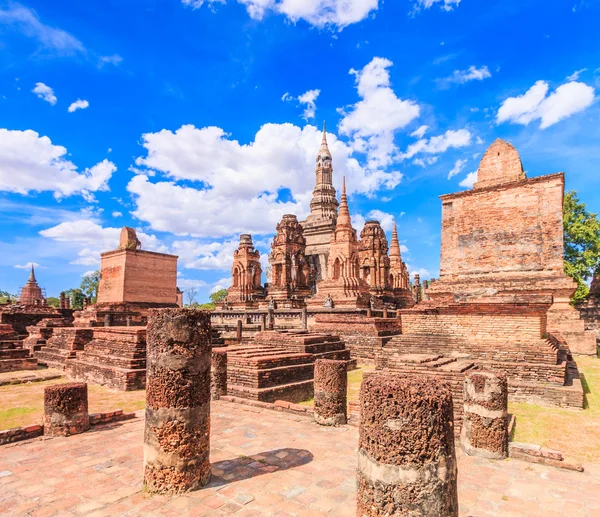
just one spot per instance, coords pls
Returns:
(13, 417)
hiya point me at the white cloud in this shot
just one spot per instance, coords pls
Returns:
(373, 121)
(459, 165)
(31, 163)
(439, 144)
(386, 220)
(190, 283)
(575, 75)
(114, 60)
(420, 131)
(44, 92)
(89, 273)
(424, 162)
(309, 99)
(28, 265)
(535, 104)
(469, 180)
(117, 214)
(51, 38)
(423, 273)
(223, 283)
(215, 255)
(464, 76)
(320, 13)
(446, 5)
(78, 105)
(226, 184)
(87, 239)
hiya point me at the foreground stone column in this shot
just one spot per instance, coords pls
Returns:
(406, 458)
(66, 409)
(219, 374)
(177, 433)
(485, 424)
(331, 384)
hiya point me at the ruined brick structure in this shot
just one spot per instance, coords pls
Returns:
(321, 221)
(374, 262)
(406, 456)
(399, 276)
(344, 284)
(66, 409)
(218, 372)
(589, 310)
(291, 272)
(501, 302)
(331, 386)
(177, 434)
(246, 287)
(485, 422)
(32, 293)
(13, 356)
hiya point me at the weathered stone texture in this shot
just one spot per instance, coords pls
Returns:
(406, 458)
(500, 164)
(485, 424)
(218, 373)
(177, 434)
(331, 383)
(66, 409)
(246, 275)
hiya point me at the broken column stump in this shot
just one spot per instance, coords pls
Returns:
(331, 382)
(66, 409)
(218, 374)
(406, 458)
(484, 431)
(177, 433)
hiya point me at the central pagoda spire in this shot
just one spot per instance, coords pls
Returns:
(324, 203)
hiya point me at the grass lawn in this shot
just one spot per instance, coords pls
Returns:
(23, 404)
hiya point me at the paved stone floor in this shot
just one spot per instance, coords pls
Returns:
(265, 463)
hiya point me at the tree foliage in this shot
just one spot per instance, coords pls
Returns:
(53, 302)
(77, 298)
(89, 285)
(218, 296)
(582, 243)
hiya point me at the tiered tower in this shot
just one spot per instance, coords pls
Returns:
(32, 294)
(246, 273)
(321, 222)
(399, 276)
(374, 260)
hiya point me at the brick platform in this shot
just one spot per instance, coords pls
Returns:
(115, 357)
(13, 356)
(63, 345)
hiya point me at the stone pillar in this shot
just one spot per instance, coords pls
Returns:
(369, 312)
(485, 424)
(304, 318)
(385, 312)
(263, 322)
(128, 321)
(270, 318)
(62, 302)
(238, 331)
(331, 384)
(406, 458)
(218, 374)
(177, 433)
(108, 319)
(66, 409)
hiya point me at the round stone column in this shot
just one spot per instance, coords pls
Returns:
(219, 374)
(177, 432)
(406, 458)
(331, 384)
(66, 409)
(485, 424)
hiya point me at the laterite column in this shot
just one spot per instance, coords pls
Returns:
(66, 409)
(331, 384)
(219, 374)
(177, 433)
(406, 458)
(485, 424)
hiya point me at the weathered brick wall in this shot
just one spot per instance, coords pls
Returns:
(138, 276)
(514, 228)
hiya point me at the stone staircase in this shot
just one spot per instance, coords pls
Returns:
(63, 345)
(115, 357)
(13, 356)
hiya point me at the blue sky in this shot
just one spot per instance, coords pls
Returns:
(193, 121)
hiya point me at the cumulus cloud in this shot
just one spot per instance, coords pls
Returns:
(28, 265)
(320, 13)
(420, 131)
(87, 239)
(43, 91)
(215, 255)
(536, 104)
(423, 273)
(464, 76)
(78, 105)
(117, 214)
(469, 180)
(446, 5)
(51, 38)
(32, 163)
(459, 165)
(373, 121)
(308, 99)
(439, 144)
(211, 185)
(424, 162)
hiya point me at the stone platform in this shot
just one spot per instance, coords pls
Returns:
(63, 345)
(264, 463)
(13, 356)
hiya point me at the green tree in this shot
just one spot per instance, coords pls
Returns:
(53, 302)
(77, 298)
(582, 243)
(5, 296)
(218, 296)
(89, 285)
